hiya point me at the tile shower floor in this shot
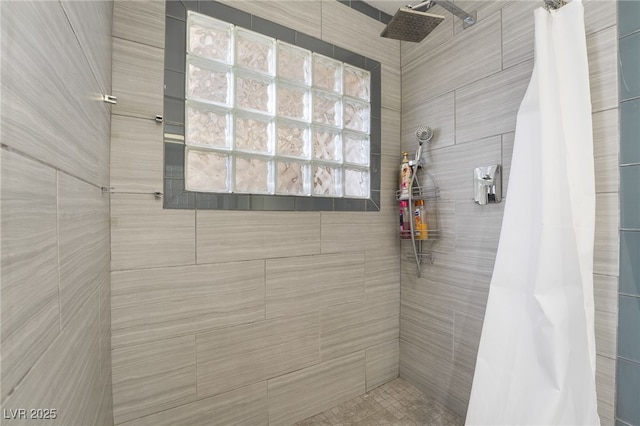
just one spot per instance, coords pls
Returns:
(395, 403)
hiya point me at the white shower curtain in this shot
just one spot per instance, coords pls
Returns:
(536, 360)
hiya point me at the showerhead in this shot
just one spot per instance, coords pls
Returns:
(411, 25)
(424, 134)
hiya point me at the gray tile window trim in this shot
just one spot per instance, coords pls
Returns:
(628, 330)
(272, 29)
(176, 9)
(175, 52)
(173, 160)
(375, 169)
(628, 381)
(173, 111)
(174, 84)
(174, 129)
(175, 44)
(368, 10)
(225, 13)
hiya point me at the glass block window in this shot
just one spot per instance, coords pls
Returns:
(263, 116)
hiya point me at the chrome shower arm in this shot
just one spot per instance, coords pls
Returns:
(467, 18)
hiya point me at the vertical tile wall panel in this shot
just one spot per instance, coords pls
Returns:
(298, 285)
(478, 229)
(139, 21)
(605, 150)
(67, 375)
(605, 388)
(144, 235)
(137, 78)
(351, 327)
(489, 106)
(51, 108)
(154, 304)
(233, 357)
(444, 68)
(455, 282)
(244, 406)
(518, 32)
(603, 69)
(83, 242)
(346, 231)
(136, 155)
(427, 327)
(598, 15)
(606, 245)
(437, 113)
(104, 294)
(91, 23)
(382, 269)
(382, 363)
(431, 374)
(391, 135)
(224, 236)
(298, 395)
(606, 314)
(153, 377)
(30, 304)
(391, 89)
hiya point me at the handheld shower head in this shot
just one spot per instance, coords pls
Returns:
(424, 134)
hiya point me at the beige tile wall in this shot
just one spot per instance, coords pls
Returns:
(468, 85)
(55, 281)
(248, 317)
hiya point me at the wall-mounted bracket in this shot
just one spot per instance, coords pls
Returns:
(110, 99)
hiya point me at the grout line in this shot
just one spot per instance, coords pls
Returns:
(501, 41)
(634, 98)
(120, 37)
(58, 248)
(635, 296)
(628, 35)
(53, 342)
(82, 50)
(629, 360)
(195, 358)
(44, 163)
